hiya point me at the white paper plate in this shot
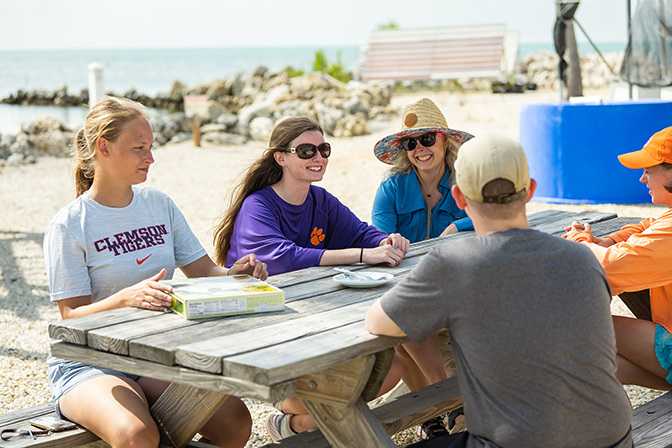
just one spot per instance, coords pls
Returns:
(376, 279)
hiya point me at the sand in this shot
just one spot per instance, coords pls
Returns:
(198, 180)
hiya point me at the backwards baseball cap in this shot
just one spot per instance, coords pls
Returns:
(488, 157)
(656, 151)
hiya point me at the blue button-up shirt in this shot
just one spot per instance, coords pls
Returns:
(399, 207)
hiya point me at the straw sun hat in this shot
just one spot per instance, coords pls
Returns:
(418, 118)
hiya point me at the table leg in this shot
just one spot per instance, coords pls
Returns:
(345, 427)
(333, 397)
(182, 410)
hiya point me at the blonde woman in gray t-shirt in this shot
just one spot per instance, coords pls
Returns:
(108, 249)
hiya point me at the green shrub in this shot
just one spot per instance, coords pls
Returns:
(335, 70)
(292, 72)
(392, 25)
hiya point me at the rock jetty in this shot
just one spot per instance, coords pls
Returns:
(246, 105)
(542, 69)
(232, 110)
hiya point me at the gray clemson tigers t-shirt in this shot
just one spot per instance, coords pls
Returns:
(91, 249)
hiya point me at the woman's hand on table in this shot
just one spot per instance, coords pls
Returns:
(391, 251)
(250, 265)
(397, 242)
(577, 227)
(148, 294)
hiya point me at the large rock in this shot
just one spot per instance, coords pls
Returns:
(45, 136)
(24, 145)
(54, 143)
(260, 128)
(5, 142)
(351, 126)
(328, 117)
(219, 89)
(249, 113)
(177, 91)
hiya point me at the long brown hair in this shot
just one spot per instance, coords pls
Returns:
(262, 173)
(106, 120)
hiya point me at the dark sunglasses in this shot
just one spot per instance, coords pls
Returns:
(426, 140)
(307, 150)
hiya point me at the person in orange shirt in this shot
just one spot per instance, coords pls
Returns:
(639, 257)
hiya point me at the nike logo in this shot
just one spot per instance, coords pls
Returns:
(143, 260)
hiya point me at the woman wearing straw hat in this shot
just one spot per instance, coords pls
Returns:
(415, 199)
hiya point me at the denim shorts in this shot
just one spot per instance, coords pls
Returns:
(664, 350)
(65, 375)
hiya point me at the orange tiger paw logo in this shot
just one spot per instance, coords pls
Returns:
(316, 237)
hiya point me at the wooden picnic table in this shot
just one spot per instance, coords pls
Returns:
(316, 349)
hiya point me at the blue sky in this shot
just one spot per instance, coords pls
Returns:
(61, 24)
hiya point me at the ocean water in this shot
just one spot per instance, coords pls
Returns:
(151, 71)
(148, 71)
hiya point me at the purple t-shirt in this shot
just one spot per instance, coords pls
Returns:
(289, 237)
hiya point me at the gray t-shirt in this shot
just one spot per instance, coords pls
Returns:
(530, 326)
(91, 249)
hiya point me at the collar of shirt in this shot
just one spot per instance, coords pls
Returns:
(411, 198)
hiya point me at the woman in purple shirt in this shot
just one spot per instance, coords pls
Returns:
(280, 216)
(291, 224)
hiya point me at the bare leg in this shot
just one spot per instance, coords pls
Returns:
(422, 363)
(113, 408)
(229, 427)
(636, 361)
(302, 421)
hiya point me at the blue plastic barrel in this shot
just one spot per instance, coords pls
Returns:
(572, 149)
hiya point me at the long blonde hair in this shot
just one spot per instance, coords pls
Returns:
(262, 173)
(106, 120)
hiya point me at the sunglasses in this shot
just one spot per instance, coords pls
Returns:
(308, 150)
(426, 140)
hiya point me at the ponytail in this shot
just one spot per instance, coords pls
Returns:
(84, 166)
(106, 120)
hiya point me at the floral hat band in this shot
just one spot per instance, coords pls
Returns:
(417, 118)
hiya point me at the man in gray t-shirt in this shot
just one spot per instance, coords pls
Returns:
(528, 317)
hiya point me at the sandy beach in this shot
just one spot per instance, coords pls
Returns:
(198, 180)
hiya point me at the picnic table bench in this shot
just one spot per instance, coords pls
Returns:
(317, 349)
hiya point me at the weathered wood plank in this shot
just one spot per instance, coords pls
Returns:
(346, 427)
(605, 228)
(162, 347)
(299, 357)
(21, 420)
(207, 356)
(182, 410)
(218, 383)
(418, 406)
(116, 338)
(75, 330)
(341, 385)
(652, 423)
(557, 225)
